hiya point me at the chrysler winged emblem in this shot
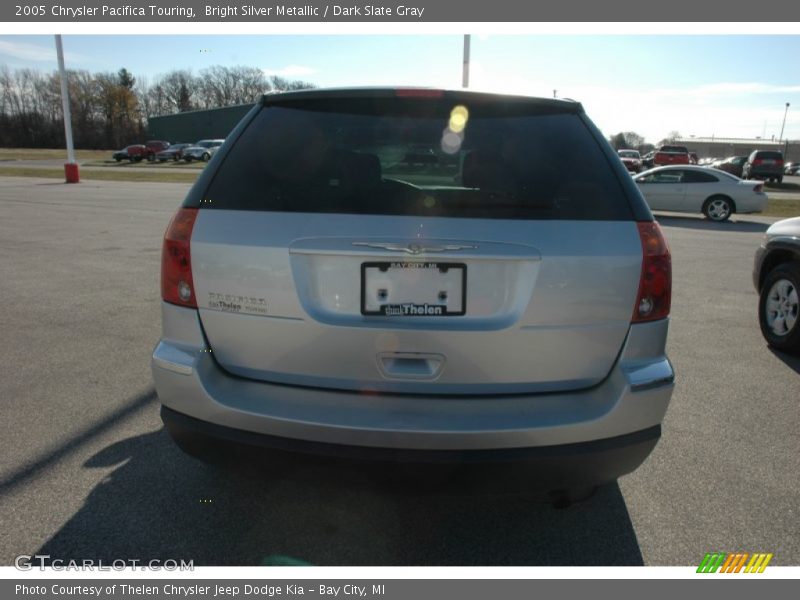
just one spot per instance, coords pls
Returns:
(415, 249)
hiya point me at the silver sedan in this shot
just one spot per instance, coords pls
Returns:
(714, 193)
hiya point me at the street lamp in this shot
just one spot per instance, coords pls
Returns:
(784, 122)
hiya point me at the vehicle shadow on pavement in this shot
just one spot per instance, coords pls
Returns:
(161, 504)
(793, 362)
(703, 224)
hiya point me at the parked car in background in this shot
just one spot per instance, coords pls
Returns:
(647, 160)
(792, 168)
(714, 193)
(631, 160)
(764, 164)
(482, 312)
(732, 165)
(776, 276)
(120, 155)
(133, 153)
(693, 159)
(154, 147)
(139, 152)
(174, 152)
(671, 155)
(202, 150)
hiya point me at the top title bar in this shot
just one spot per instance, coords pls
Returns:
(431, 11)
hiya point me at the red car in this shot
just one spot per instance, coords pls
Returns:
(631, 159)
(671, 155)
(138, 152)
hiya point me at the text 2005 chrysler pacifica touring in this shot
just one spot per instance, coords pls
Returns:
(505, 302)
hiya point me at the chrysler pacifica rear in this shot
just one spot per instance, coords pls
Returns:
(504, 302)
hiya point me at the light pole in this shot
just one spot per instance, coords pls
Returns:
(465, 72)
(71, 167)
(784, 122)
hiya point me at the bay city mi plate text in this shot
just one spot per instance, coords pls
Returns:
(331, 10)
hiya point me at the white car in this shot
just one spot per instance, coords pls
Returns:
(716, 194)
(202, 150)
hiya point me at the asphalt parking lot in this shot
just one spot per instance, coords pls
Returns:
(86, 470)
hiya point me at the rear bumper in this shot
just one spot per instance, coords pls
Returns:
(203, 401)
(549, 467)
(765, 172)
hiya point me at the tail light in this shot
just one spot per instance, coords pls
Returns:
(655, 283)
(779, 162)
(177, 286)
(759, 188)
(757, 162)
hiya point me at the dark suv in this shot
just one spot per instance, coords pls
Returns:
(764, 164)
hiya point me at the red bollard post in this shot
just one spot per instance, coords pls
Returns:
(71, 172)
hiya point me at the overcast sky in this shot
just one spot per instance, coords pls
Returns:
(702, 85)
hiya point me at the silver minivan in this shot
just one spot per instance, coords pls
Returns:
(504, 302)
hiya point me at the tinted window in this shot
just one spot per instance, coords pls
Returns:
(669, 176)
(681, 149)
(769, 155)
(699, 177)
(406, 158)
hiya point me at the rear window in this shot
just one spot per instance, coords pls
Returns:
(681, 149)
(419, 157)
(764, 154)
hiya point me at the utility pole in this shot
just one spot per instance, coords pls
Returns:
(71, 167)
(465, 74)
(786, 110)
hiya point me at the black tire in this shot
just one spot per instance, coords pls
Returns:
(118, 159)
(151, 157)
(162, 160)
(789, 341)
(780, 179)
(187, 158)
(176, 158)
(206, 157)
(132, 158)
(718, 208)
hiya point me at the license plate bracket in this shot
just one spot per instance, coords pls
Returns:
(413, 289)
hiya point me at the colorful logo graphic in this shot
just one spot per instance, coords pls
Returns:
(734, 562)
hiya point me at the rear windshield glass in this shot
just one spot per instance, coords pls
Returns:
(423, 158)
(769, 155)
(681, 149)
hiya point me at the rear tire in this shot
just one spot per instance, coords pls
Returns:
(780, 179)
(718, 208)
(206, 157)
(778, 308)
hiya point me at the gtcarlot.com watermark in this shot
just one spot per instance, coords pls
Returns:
(25, 562)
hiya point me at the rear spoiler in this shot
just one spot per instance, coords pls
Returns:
(548, 104)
